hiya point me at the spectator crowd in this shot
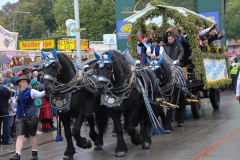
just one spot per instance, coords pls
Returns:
(9, 89)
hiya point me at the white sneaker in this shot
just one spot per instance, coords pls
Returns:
(38, 132)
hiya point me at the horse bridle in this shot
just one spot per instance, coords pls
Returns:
(101, 63)
(46, 64)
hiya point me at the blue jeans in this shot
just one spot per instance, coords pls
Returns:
(6, 129)
(38, 111)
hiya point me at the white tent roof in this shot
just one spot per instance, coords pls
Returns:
(158, 20)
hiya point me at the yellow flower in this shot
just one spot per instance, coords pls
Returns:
(208, 48)
(224, 48)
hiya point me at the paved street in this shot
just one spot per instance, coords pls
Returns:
(214, 136)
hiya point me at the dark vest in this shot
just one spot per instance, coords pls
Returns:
(157, 49)
(25, 106)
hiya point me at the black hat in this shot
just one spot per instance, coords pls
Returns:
(22, 77)
(155, 40)
(25, 71)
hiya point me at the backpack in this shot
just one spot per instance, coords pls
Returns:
(37, 102)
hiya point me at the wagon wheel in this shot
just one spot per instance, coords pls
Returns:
(214, 96)
(197, 106)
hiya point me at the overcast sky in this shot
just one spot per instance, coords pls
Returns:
(3, 2)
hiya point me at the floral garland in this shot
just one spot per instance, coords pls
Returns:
(190, 26)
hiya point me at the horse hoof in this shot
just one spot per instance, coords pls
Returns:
(180, 124)
(168, 132)
(98, 147)
(68, 157)
(114, 134)
(146, 145)
(88, 144)
(120, 154)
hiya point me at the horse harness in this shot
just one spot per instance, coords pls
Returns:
(116, 94)
(61, 99)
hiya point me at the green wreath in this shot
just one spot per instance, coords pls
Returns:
(190, 26)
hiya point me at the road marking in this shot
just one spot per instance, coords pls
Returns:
(215, 145)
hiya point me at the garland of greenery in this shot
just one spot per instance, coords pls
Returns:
(190, 26)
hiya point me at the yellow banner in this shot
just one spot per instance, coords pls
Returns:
(35, 44)
(69, 45)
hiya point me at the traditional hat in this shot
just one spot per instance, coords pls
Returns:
(25, 71)
(22, 77)
(161, 43)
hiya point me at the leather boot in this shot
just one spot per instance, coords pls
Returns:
(15, 157)
(34, 155)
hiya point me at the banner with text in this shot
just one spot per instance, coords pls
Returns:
(215, 69)
(124, 30)
(70, 44)
(213, 16)
(8, 40)
(35, 44)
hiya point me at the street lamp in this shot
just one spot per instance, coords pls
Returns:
(77, 30)
(15, 16)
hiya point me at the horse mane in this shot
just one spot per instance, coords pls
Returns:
(66, 64)
(165, 71)
(121, 67)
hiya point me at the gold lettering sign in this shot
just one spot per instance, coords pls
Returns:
(70, 44)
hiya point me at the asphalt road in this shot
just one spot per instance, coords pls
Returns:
(215, 136)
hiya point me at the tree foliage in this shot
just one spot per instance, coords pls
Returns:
(97, 16)
(232, 18)
(39, 22)
(5, 13)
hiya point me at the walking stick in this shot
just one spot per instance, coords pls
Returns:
(59, 132)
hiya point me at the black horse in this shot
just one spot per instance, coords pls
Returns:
(172, 86)
(60, 74)
(118, 86)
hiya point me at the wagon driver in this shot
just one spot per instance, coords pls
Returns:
(155, 51)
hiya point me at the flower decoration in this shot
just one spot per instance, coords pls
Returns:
(208, 48)
(89, 49)
(189, 25)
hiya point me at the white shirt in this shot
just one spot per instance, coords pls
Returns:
(34, 94)
(201, 33)
(160, 51)
(238, 86)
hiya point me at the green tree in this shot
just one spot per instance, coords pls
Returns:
(232, 19)
(41, 11)
(5, 13)
(63, 10)
(97, 16)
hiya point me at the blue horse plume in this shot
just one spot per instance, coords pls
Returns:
(44, 56)
(54, 53)
(97, 56)
(110, 55)
(160, 60)
(148, 60)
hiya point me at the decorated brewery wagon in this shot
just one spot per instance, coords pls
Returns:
(205, 72)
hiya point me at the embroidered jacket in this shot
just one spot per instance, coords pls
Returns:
(24, 102)
(25, 106)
